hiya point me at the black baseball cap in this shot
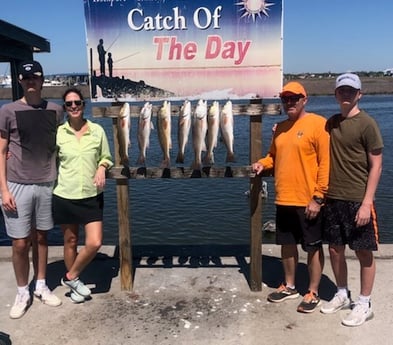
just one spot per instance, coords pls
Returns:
(30, 67)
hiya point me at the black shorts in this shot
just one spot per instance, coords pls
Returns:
(340, 228)
(292, 227)
(81, 211)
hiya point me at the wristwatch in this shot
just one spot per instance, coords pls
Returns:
(319, 200)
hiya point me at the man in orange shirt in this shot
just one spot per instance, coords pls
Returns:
(299, 155)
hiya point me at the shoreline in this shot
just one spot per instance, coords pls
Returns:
(325, 86)
(314, 87)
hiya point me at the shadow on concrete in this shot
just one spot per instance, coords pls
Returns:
(187, 255)
(273, 275)
(104, 268)
(99, 272)
(194, 256)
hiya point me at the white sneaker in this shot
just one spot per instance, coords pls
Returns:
(359, 315)
(77, 286)
(76, 298)
(335, 304)
(47, 297)
(21, 304)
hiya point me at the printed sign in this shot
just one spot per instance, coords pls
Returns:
(178, 49)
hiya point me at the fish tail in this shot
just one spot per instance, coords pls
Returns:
(141, 159)
(230, 157)
(125, 171)
(165, 164)
(180, 157)
(209, 158)
(196, 165)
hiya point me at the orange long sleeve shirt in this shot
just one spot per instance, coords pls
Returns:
(299, 154)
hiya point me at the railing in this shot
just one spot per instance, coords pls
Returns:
(255, 109)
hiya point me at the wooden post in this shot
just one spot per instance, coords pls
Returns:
(255, 206)
(125, 252)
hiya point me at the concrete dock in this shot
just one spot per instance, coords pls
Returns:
(194, 300)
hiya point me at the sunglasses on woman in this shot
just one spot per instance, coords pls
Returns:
(78, 103)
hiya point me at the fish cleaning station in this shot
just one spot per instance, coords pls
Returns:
(223, 57)
(255, 111)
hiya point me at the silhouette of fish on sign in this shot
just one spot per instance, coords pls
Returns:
(123, 137)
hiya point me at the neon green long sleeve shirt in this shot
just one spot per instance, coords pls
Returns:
(79, 160)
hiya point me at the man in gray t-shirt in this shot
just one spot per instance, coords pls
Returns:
(27, 174)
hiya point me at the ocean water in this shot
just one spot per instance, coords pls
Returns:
(215, 211)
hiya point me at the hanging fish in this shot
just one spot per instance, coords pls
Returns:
(213, 125)
(144, 128)
(226, 126)
(123, 136)
(164, 132)
(183, 129)
(199, 129)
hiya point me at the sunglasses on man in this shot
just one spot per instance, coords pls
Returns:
(291, 99)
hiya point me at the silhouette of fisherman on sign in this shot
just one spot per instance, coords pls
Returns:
(101, 56)
(110, 65)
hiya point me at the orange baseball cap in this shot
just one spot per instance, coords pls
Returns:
(295, 88)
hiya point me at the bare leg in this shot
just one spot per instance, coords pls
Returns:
(71, 236)
(290, 258)
(339, 264)
(93, 243)
(20, 260)
(367, 271)
(40, 253)
(315, 262)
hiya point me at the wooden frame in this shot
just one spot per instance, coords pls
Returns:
(255, 110)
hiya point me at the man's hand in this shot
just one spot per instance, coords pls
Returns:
(8, 202)
(312, 209)
(257, 168)
(363, 215)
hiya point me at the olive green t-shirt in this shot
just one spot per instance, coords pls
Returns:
(351, 139)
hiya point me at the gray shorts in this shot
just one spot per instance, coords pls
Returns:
(34, 209)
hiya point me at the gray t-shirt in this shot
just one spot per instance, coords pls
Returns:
(31, 134)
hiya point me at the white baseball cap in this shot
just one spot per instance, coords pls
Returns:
(348, 79)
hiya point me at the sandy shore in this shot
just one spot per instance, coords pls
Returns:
(314, 86)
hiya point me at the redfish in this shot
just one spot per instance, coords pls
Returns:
(199, 129)
(183, 129)
(144, 128)
(123, 135)
(226, 126)
(213, 125)
(164, 132)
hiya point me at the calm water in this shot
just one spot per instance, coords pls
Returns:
(216, 211)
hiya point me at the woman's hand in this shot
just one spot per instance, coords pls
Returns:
(99, 178)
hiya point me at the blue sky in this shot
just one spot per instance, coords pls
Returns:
(319, 36)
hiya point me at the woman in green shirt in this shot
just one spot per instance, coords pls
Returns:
(83, 158)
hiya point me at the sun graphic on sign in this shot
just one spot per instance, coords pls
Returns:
(254, 8)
